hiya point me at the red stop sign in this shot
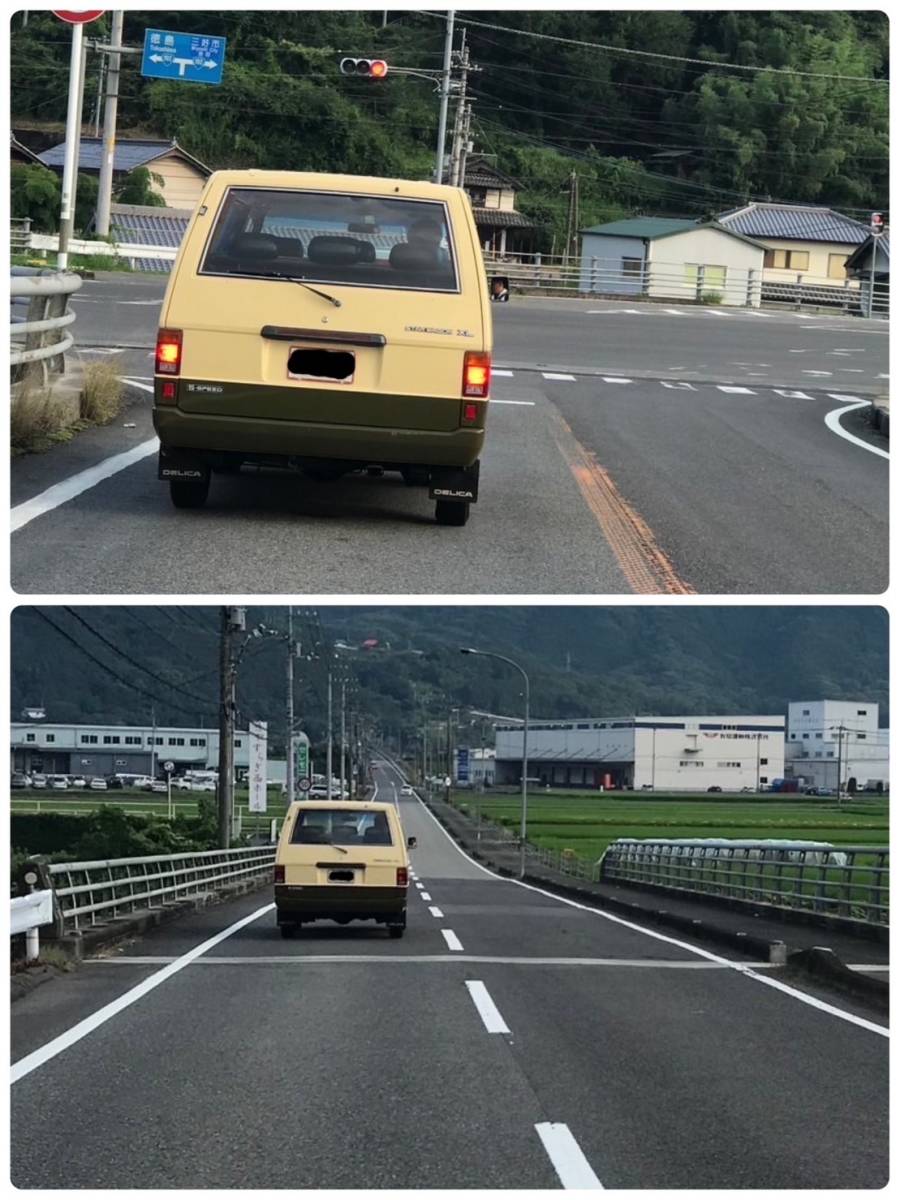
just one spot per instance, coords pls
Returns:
(78, 18)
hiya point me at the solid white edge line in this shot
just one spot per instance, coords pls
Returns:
(38, 1057)
(567, 1157)
(833, 421)
(453, 942)
(741, 968)
(68, 489)
(436, 912)
(487, 1009)
(522, 403)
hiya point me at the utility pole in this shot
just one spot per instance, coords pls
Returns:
(572, 223)
(459, 122)
(445, 100)
(104, 193)
(328, 750)
(98, 103)
(758, 739)
(230, 620)
(73, 144)
(343, 775)
(153, 743)
(840, 733)
(289, 737)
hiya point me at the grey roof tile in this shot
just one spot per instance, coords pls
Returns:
(798, 222)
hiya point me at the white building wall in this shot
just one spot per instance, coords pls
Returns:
(737, 752)
(815, 729)
(710, 248)
(173, 743)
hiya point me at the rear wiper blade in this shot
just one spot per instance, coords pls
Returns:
(343, 849)
(293, 279)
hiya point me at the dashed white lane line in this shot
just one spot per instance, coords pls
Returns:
(57, 1045)
(453, 942)
(615, 379)
(846, 399)
(788, 395)
(487, 1009)
(556, 376)
(568, 1158)
(419, 885)
(435, 911)
(833, 421)
(815, 372)
(504, 374)
(424, 895)
(62, 493)
(673, 312)
(737, 391)
(523, 403)
(679, 385)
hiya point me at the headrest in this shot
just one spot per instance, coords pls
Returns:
(408, 257)
(336, 251)
(254, 245)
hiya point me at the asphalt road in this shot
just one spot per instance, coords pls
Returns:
(344, 1059)
(679, 468)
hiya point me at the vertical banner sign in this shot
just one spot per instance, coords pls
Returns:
(301, 759)
(462, 764)
(257, 775)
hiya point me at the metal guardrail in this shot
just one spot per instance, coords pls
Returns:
(844, 881)
(19, 234)
(27, 915)
(39, 340)
(92, 893)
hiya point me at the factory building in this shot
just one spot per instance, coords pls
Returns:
(689, 754)
(836, 741)
(49, 749)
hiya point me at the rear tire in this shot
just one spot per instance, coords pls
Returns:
(288, 931)
(396, 931)
(451, 512)
(189, 493)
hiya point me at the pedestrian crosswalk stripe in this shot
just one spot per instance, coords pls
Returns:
(792, 395)
(846, 399)
(740, 391)
(554, 375)
(680, 384)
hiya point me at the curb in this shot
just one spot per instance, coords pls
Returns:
(880, 418)
(822, 965)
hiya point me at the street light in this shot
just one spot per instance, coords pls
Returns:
(512, 663)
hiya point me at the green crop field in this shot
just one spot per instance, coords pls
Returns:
(139, 802)
(587, 822)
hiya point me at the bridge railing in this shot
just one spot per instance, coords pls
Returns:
(94, 893)
(39, 339)
(19, 234)
(842, 881)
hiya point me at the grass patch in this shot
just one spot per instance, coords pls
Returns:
(101, 395)
(37, 420)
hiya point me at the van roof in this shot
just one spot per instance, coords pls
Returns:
(367, 805)
(374, 184)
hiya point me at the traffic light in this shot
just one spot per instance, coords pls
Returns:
(367, 68)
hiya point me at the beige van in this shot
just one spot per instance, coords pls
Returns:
(341, 861)
(327, 323)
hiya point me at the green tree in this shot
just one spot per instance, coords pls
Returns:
(137, 188)
(34, 193)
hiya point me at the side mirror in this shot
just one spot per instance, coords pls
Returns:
(410, 843)
(499, 289)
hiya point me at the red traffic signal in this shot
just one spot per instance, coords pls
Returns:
(367, 68)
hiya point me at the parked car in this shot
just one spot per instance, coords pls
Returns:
(20, 780)
(58, 783)
(98, 784)
(77, 781)
(159, 785)
(714, 788)
(39, 781)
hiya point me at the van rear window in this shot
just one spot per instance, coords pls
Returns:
(333, 237)
(343, 827)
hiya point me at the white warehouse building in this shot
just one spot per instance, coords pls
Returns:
(826, 738)
(690, 754)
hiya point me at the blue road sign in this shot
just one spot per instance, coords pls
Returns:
(192, 57)
(462, 764)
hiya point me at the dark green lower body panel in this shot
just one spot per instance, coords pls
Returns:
(333, 902)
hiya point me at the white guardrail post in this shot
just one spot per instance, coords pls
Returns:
(31, 345)
(27, 915)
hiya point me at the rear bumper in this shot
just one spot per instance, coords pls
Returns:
(320, 903)
(402, 432)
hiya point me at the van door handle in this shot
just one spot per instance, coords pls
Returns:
(335, 337)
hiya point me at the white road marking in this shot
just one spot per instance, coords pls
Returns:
(487, 1009)
(100, 350)
(833, 421)
(568, 1159)
(737, 391)
(525, 403)
(62, 493)
(804, 317)
(133, 380)
(868, 966)
(435, 911)
(799, 352)
(846, 399)
(741, 968)
(848, 350)
(716, 312)
(815, 372)
(674, 312)
(792, 395)
(57, 1045)
(419, 885)
(615, 379)
(424, 895)
(881, 375)
(677, 964)
(453, 942)
(679, 384)
(505, 374)
(613, 312)
(556, 376)
(851, 370)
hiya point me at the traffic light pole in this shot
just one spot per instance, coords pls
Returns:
(104, 190)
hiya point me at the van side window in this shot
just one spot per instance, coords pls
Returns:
(333, 237)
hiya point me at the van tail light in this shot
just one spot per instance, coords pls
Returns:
(168, 352)
(476, 375)
(402, 877)
(279, 874)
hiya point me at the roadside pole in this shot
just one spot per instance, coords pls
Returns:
(445, 100)
(343, 736)
(104, 194)
(73, 138)
(226, 727)
(328, 750)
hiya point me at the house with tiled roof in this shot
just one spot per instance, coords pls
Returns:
(870, 264)
(672, 258)
(19, 153)
(805, 243)
(182, 175)
(492, 194)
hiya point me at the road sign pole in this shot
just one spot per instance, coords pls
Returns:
(73, 137)
(104, 194)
